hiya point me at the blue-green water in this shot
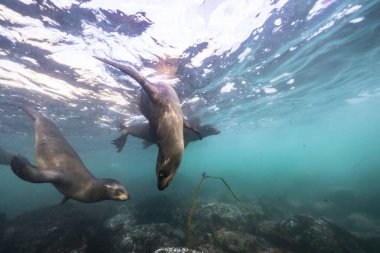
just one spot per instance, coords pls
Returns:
(294, 88)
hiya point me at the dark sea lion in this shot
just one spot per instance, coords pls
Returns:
(205, 130)
(159, 103)
(143, 131)
(5, 157)
(59, 164)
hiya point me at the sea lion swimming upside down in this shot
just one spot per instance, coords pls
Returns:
(159, 103)
(60, 165)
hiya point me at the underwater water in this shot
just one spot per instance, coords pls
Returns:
(294, 88)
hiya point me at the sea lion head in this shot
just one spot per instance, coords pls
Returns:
(166, 168)
(114, 190)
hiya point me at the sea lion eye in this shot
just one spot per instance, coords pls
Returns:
(162, 174)
(118, 191)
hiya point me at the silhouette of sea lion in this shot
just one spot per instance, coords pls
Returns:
(59, 164)
(143, 131)
(159, 103)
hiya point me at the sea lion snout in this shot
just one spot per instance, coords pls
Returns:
(166, 167)
(124, 197)
(164, 177)
(116, 191)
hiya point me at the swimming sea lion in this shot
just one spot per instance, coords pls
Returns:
(143, 131)
(59, 164)
(5, 157)
(205, 130)
(159, 103)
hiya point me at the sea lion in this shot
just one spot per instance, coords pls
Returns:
(159, 103)
(60, 165)
(5, 157)
(143, 131)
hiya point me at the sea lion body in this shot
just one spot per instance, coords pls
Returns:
(166, 123)
(59, 164)
(160, 105)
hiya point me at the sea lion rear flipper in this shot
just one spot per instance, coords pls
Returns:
(28, 172)
(120, 142)
(147, 86)
(188, 126)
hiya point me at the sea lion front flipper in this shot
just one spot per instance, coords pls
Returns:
(28, 172)
(188, 126)
(147, 86)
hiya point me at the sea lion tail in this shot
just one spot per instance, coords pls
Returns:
(120, 141)
(125, 69)
(31, 112)
(147, 86)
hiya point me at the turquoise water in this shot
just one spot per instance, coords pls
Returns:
(294, 88)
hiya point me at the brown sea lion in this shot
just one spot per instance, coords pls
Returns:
(60, 165)
(159, 103)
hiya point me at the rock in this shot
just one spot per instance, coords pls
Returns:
(277, 207)
(126, 235)
(122, 221)
(153, 236)
(217, 228)
(60, 228)
(361, 225)
(216, 215)
(233, 241)
(304, 233)
(176, 250)
(371, 244)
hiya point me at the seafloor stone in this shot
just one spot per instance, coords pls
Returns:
(127, 236)
(307, 234)
(176, 250)
(233, 241)
(60, 228)
(219, 228)
(216, 215)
